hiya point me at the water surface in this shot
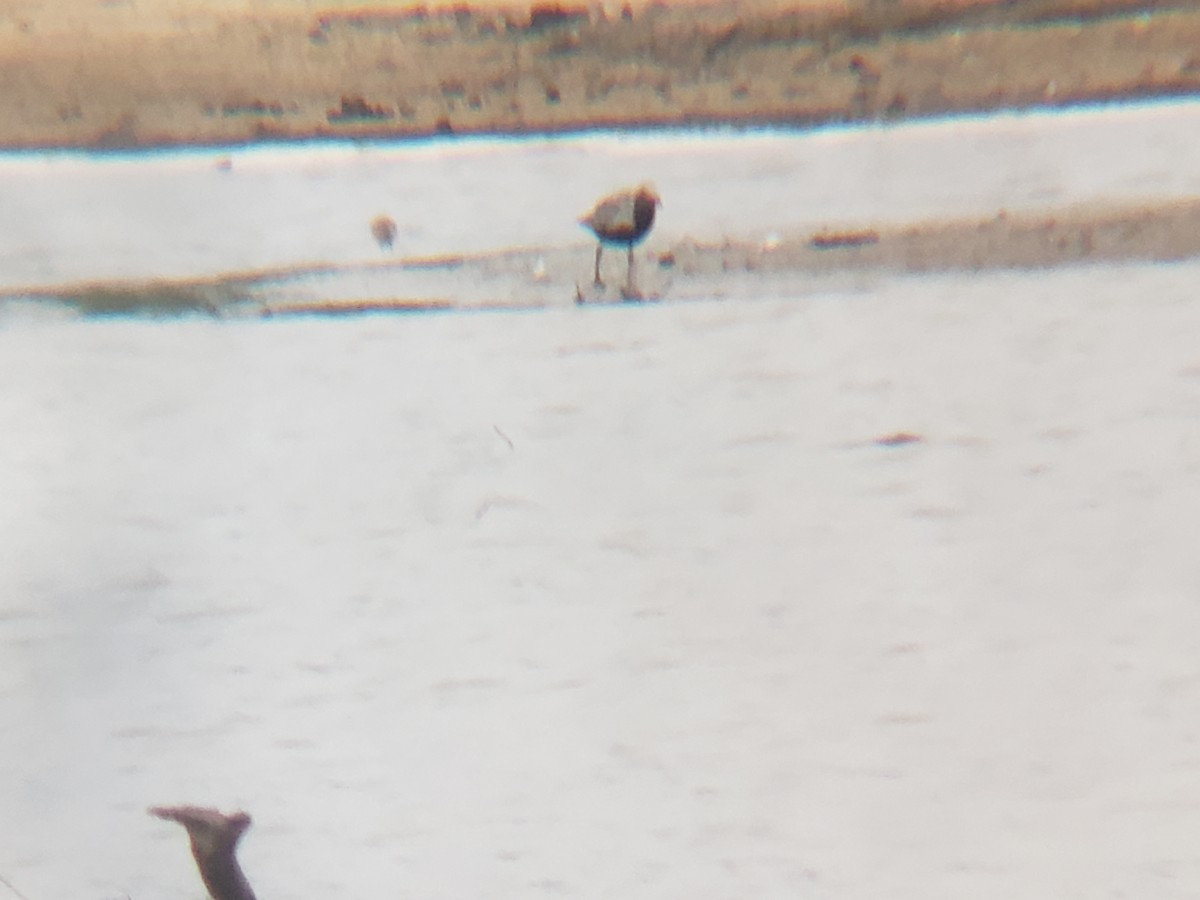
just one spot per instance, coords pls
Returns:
(69, 217)
(613, 602)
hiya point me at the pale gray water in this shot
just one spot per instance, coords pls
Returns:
(70, 217)
(613, 602)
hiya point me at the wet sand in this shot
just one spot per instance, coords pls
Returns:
(685, 270)
(693, 269)
(125, 74)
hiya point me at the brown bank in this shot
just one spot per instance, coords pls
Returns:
(129, 73)
(123, 74)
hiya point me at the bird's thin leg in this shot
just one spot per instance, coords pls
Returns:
(630, 288)
(599, 250)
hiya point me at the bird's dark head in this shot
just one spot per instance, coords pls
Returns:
(646, 191)
(209, 829)
(239, 822)
(214, 837)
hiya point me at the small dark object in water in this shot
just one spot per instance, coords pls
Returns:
(214, 836)
(827, 241)
(622, 220)
(898, 439)
(362, 307)
(383, 229)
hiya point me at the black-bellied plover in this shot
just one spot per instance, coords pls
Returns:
(622, 219)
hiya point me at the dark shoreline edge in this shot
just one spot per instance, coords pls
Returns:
(692, 126)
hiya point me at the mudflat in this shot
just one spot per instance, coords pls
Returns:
(132, 74)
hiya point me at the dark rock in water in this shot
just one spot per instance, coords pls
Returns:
(833, 240)
(898, 439)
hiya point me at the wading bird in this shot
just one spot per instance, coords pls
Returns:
(214, 838)
(622, 220)
(383, 229)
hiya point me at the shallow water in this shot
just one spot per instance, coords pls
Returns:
(616, 601)
(626, 601)
(69, 217)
